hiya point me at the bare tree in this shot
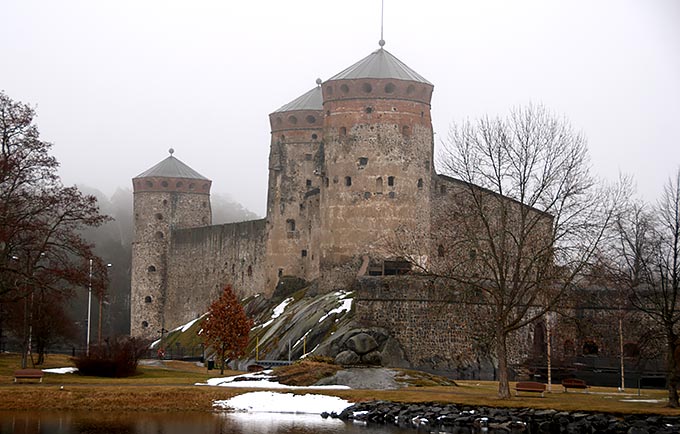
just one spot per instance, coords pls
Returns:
(40, 219)
(520, 219)
(649, 262)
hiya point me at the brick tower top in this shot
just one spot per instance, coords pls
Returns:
(304, 112)
(380, 75)
(171, 175)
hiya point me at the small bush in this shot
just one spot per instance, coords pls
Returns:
(116, 358)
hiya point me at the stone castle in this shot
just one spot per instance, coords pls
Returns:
(350, 164)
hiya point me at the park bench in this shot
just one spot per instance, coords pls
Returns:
(530, 386)
(30, 374)
(574, 383)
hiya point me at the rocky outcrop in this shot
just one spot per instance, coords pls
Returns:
(372, 346)
(453, 418)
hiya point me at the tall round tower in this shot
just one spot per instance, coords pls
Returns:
(168, 196)
(378, 158)
(294, 164)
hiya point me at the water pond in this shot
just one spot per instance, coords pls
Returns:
(39, 422)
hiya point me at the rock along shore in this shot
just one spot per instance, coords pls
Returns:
(450, 418)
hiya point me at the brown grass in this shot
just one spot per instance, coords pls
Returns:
(305, 372)
(171, 389)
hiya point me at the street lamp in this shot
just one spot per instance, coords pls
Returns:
(89, 309)
(101, 300)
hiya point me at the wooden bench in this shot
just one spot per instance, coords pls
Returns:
(28, 374)
(530, 386)
(574, 383)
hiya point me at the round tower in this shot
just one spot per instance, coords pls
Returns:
(295, 159)
(378, 159)
(168, 196)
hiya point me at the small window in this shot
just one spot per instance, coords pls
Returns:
(390, 181)
(290, 225)
(379, 184)
(149, 184)
(164, 183)
(145, 324)
(292, 119)
(250, 270)
(280, 272)
(369, 110)
(159, 216)
(343, 131)
(165, 202)
(314, 136)
(440, 251)
(191, 186)
(326, 181)
(151, 269)
(180, 184)
(204, 204)
(389, 88)
(363, 161)
(590, 348)
(308, 157)
(406, 131)
(366, 87)
(344, 88)
(308, 183)
(420, 183)
(348, 181)
(303, 253)
(159, 235)
(310, 119)
(147, 299)
(472, 254)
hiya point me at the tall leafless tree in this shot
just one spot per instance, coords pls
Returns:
(522, 219)
(40, 219)
(648, 259)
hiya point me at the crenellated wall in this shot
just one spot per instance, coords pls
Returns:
(201, 261)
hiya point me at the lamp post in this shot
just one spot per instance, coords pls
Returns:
(89, 309)
(101, 300)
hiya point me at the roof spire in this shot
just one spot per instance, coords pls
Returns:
(382, 19)
(171, 151)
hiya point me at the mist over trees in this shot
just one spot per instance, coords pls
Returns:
(113, 242)
(44, 259)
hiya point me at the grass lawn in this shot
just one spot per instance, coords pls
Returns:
(171, 388)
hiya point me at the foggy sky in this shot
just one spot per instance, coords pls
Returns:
(117, 83)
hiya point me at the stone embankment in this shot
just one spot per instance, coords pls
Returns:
(449, 418)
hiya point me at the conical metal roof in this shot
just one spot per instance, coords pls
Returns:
(309, 101)
(171, 167)
(380, 64)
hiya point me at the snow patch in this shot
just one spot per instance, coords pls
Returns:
(259, 380)
(278, 310)
(186, 326)
(344, 307)
(272, 402)
(69, 370)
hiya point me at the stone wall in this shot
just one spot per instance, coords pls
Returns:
(201, 261)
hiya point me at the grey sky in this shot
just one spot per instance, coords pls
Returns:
(116, 83)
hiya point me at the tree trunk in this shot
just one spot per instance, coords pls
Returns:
(502, 353)
(222, 357)
(672, 370)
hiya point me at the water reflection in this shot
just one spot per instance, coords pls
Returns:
(178, 423)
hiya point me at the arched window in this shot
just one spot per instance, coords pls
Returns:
(147, 299)
(379, 184)
(145, 324)
(151, 269)
(290, 225)
(539, 345)
(420, 183)
(348, 181)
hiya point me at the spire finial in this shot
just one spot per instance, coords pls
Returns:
(382, 20)
(319, 81)
(171, 151)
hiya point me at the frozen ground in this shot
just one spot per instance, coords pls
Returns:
(273, 402)
(258, 380)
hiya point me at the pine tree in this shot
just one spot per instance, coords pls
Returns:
(226, 328)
